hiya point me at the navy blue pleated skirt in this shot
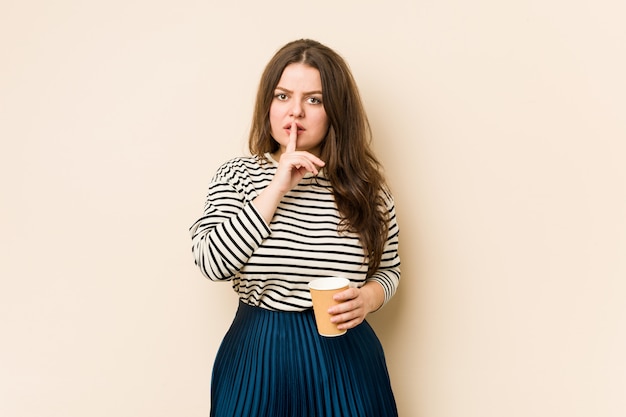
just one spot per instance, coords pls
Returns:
(274, 364)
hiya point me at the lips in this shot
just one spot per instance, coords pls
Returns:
(298, 126)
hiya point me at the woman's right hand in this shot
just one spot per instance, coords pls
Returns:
(292, 167)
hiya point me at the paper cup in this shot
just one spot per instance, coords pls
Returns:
(322, 292)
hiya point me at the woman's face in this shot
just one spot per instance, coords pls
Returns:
(298, 97)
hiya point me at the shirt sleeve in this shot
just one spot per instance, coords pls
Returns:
(388, 273)
(228, 233)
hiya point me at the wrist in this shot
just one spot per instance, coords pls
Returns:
(374, 295)
(267, 201)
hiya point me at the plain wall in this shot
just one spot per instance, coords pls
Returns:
(502, 129)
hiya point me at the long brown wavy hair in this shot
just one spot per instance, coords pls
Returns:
(353, 170)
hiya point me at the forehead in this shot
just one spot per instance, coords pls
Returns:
(300, 76)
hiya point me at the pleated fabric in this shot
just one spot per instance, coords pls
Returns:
(274, 364)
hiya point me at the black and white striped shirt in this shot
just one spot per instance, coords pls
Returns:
(271, 265)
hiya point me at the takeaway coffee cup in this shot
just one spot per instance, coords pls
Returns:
(322, 292)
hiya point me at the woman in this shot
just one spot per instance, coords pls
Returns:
(310, 202)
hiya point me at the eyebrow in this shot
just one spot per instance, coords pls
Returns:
(308, 93)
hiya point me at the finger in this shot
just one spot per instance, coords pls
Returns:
(318, 162)
(346, 295)
(294, 160)
(293, 138)
(349, 319)
(302, 160)
(342, 311)
(350, 324)
(312, 161)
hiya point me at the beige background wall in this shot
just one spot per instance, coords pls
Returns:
(502, 127)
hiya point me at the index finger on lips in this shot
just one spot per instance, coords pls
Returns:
(293, 138)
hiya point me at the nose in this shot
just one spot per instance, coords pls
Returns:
(297, 111)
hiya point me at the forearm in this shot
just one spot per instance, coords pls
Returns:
(267, 202)
(221, 249)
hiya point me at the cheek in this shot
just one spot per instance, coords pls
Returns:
(272, 112)
(275, 119)
(322, 122)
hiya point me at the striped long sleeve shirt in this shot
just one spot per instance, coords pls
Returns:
(270, 265)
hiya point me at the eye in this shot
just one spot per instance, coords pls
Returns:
(314, 100)
(280, 96)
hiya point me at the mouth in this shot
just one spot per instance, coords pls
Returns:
(299, 128)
